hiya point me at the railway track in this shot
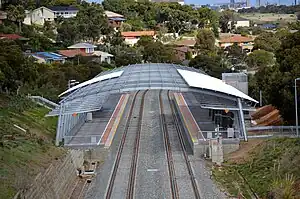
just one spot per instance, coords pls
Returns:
(173, 183)
(175, 120)
(131, 181)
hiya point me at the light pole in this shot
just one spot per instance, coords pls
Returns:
(72, 82)
(296, 106)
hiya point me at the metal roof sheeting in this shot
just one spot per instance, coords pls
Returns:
(91, 95)
(199, 80)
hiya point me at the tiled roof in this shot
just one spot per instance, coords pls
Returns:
(72, 53)
(186, 42)
(82, 45)
(138, 33)
(111, 14)
(236, 39)
(184, 49)
(63, 8)
(11, 36)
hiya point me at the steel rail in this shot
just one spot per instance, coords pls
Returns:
(131, 182)
(120, 150)
(183, 147)
(173, 183)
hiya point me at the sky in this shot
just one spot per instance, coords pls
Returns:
(204, 2)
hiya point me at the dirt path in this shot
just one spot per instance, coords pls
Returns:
(244, 153)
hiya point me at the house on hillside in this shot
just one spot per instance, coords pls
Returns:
(38, 16)
(3, 15)
(47, 57)
(13, 37)
(84, 47)
(185, 46)
(245, 42)
(64, 11)
(132, 38)
(115, 20)
(42, 14)
(86, 50)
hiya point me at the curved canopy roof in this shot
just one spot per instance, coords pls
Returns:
(92, 94)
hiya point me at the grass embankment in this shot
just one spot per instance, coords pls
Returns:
(24, 154)
(270, 169)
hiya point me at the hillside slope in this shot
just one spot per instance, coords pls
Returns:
(269, 169)
(24, 154)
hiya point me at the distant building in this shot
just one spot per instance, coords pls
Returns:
(13, 37)
(64, 11)
(86, 50)
(268, 26)
(238, 22)
(115, 19)
(237, 80)
(38, 16)
(42, 14)
(244, 42)
(48, 57)
(84, 47)
(3, 15)
(181, 2)
(183, 47)
(132, 38)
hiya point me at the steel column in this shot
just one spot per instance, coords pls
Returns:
(242, 119)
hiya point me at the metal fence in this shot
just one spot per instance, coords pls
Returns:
(271, 131)
(234, 134)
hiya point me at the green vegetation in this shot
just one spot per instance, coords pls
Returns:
(271, 171)
(24, 154)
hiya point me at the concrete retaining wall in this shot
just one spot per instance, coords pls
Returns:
(229, 145)
(57, 181)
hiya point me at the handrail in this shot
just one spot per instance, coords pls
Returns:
(43, 100)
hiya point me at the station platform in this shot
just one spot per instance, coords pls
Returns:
(101, 129)
(193, 132)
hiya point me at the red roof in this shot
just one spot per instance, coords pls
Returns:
(72, 53)
(236, 39)
(138, 33)
(11, 36)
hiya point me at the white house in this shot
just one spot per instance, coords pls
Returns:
(64, 11)
(239, 22)
(39, 16)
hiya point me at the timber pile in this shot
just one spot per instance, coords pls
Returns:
(267, 116)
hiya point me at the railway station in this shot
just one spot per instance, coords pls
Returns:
(89, 109)
(152, 120)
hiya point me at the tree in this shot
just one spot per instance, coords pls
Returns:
(114, 39)
(157, 52)
(15, 68)
(267, 41)
(17, 14)
(225, 18)
(212, 65)
(259, 59)
(126, 55)
(144, 41)
(91, 22)
(125, 27)
(68, 32)
(177, 20)
(235, 57)
(276, 82)
(205, 41)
